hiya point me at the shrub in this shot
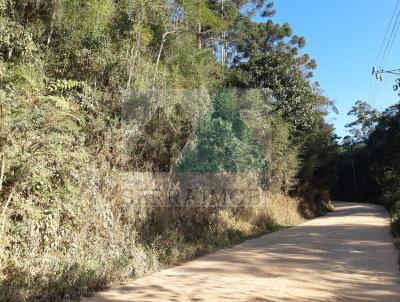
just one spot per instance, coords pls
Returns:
(390, 199)
(396, 219)
(223, 143)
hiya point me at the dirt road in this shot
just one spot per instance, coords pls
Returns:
(347, 255)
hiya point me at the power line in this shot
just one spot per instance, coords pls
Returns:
(382, 58)
(370, 88)
(391, 45)
(387, 32)
(391, 37)
(374, 93)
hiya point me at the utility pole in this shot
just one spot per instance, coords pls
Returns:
(224, 47)
(378, 73)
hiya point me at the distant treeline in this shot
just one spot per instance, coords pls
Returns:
(369, 161)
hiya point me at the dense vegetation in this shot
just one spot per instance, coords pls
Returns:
(223, 143)
(369, 162)
(91, 89)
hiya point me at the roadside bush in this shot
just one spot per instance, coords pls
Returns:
(395, 211)
(389, 199)
(63, 250)
(223, 142)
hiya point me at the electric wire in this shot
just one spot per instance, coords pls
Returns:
(387, 32)
(391, 37)
(392, 43)
(382, 58)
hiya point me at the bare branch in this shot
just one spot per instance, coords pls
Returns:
(3, 165)
(3, 213)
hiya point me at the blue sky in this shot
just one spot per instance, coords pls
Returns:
(344, 36)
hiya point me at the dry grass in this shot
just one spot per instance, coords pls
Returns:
(101, 239)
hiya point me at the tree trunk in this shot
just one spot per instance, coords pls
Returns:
(223, 37)
(133, 54)
(199, 35)
(164, 39)
(53, 18)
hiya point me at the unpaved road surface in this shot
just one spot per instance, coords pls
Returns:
(347, 255)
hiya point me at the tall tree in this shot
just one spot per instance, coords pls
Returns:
(366, 118)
